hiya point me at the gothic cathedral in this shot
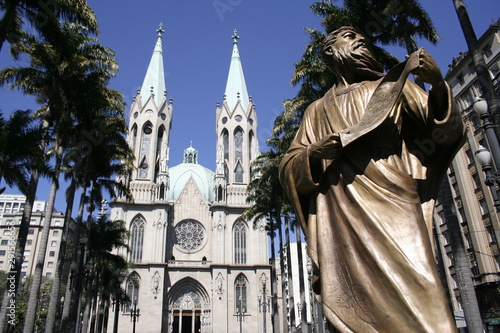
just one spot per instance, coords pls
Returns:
(196, 266)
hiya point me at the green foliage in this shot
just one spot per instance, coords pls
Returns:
(20, 150)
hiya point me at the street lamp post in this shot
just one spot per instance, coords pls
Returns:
(484, 158)
(483, 155)
(264, 302)
(481, 107)
(311, 296)
(134, 314)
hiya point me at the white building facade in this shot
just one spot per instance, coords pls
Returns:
(199, 268)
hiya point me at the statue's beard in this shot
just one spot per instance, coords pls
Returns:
(361, 60)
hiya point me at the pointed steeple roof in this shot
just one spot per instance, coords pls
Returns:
(154, 81)
(236, 88)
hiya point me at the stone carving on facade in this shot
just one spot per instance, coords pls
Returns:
(155, 284)
(219, 283)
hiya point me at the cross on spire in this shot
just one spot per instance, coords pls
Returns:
(235, 37)
(160, 30)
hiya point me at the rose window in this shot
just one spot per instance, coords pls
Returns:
(190, 235)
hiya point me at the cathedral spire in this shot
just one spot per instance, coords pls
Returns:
(154, 81)
(236, 88)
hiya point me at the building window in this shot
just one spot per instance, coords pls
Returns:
(147, 129)
(4, 242)
(451, 259)
(238, 154)
(446, 236)
(2, 252)
(475, 268)
(477, 181)
(136, 240)
(484, 207)
(190, 235)
(240, 243)
(52, 253)
(29, 242)
(53, 243)
(468, 238)
(497, 260)
(55, 233)
(491, 233)
(241, 294)
(31, 231)
(50, 264)
(487, 51)
(132, 290)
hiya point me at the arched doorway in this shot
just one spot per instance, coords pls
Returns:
(189, 307)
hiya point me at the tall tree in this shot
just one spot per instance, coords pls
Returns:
(22, 154)
(61, 74)
(42, 15)
(104, 236)
(106, 154)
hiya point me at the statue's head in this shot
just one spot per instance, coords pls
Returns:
(346, 48)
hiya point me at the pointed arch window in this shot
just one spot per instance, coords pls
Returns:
(240, 243)
(133, 137)
(225, 144)
(132, 289)
(240, 292)
(238, 173)
(238, 155)
(136, 240)
(147, 129)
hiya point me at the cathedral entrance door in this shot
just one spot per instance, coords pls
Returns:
(187, 321)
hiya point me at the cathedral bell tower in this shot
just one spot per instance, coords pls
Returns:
(149, 131)
(236, 127)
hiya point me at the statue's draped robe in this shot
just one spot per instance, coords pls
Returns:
(367, 214)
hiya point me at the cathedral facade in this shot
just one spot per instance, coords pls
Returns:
(196, 266)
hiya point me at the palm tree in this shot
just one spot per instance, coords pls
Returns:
(42, 15)
(61, 75)
(108, 155)
(21, 153)
(19, 141)
(104, 236)
(264, 193)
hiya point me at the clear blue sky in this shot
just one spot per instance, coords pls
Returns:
(197, 50)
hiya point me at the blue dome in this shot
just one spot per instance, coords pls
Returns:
(180, 175)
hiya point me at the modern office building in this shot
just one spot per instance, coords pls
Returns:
(476, 209)
(11, 210)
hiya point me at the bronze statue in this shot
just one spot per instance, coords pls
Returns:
(363, 173)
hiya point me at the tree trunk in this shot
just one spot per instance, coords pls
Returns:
(54, 303)
(74, 285)
(88, 305)
(463, 271)
(274, 279)
(303, 309)
(29, 322)
(283, 278)
(20, 246)
(293, 327)
(483, 74)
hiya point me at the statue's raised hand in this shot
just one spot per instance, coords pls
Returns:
(428, 70)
